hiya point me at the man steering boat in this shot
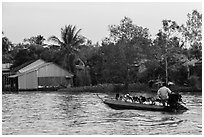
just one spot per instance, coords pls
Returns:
(163, 93)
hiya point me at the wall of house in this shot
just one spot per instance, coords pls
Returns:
(28, 80)
(54, 82)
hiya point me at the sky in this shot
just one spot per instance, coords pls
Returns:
(23, 20)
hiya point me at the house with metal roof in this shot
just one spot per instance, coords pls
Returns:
(41, 74)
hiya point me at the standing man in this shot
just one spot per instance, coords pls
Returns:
(163, 93)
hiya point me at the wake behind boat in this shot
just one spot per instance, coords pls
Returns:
(119, 105)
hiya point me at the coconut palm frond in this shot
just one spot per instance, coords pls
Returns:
(76, 34)
(78, 42)
(70, 41)
(55, 39)
(64, 32)
(70, 35)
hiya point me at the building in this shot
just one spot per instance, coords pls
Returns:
(40, 74)
(5, 74)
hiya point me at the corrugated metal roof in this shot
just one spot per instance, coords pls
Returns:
(38, 67)
(13, 76)
(22, 66)
(32, 65)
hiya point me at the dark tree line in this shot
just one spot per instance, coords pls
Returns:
(128, 54)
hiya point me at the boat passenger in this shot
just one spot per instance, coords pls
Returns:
(142, 99)
(136, 99)
(128, 98)
(163, 93)
(151, 100)
(117, 96)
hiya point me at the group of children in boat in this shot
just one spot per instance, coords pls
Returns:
(136, 99)
(164, 97)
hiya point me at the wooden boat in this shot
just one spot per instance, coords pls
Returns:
(118, 105)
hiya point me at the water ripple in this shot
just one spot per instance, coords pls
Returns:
(53, 113)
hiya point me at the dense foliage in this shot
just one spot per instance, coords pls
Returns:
(127, 55)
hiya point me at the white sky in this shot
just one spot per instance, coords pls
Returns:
(23, 20)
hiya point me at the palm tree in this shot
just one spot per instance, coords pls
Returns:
(69, 45)
(37, 40)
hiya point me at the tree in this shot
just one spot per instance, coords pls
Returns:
(69, 46)
(6, 48)
(38, 40)
(126, 31)
(167, 47)
(193, 29)
(27, 52)
(125, 48)
(95, 62)
(31, 49)
(192, 33)
(114, 63)
(6, 45)
(21, 57)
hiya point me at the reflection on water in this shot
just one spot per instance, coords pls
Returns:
(84, 113)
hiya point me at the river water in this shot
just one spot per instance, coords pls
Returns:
(47, 113)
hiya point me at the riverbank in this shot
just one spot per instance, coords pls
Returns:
(109, 88)
(120, 88)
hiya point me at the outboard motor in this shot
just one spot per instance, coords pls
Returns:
(174, 98)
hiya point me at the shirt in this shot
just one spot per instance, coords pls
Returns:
(163, 92)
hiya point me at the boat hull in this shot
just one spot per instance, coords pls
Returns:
(115, 104)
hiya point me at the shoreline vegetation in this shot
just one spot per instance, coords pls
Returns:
(119, 88)
(127, 55)
(111, 88)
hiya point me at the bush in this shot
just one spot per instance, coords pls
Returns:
(193, 80)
